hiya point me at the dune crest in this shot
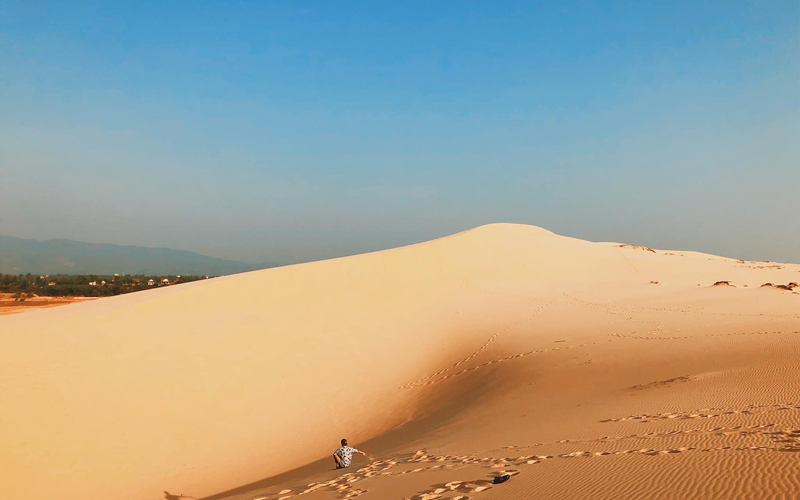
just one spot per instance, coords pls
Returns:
(485, 353)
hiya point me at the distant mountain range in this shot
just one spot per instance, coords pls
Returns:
(20, 256)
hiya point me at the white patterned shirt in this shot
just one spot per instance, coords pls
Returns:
(346, 454)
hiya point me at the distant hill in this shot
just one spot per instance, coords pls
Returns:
(20, 256)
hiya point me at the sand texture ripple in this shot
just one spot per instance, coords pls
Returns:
(576, 369)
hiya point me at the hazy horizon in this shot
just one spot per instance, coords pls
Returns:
(286, 134)
(274, 263)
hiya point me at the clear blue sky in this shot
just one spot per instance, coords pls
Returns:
(289, 131)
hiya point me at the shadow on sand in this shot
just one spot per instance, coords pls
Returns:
(466, 393)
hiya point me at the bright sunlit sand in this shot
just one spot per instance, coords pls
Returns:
(494, 250)
(580, 369)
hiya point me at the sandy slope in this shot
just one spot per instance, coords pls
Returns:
(9, 304)
(504, 348)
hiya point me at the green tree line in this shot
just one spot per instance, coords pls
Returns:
(80, 285)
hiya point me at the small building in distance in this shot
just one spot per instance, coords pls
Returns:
(51, 283)
(92, 283)
(151, 282)
(164, 281)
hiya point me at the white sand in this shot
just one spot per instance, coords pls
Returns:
(506, 335)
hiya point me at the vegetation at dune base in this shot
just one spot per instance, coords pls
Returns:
(69, 285)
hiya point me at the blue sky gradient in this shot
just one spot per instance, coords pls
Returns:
(290, 131)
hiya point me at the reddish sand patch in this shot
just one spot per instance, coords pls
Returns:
(11, 304)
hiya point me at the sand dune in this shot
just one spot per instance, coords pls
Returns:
(580, 369)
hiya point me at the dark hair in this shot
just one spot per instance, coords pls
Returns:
(344, 442)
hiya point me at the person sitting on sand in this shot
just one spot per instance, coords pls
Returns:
(344, 455)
